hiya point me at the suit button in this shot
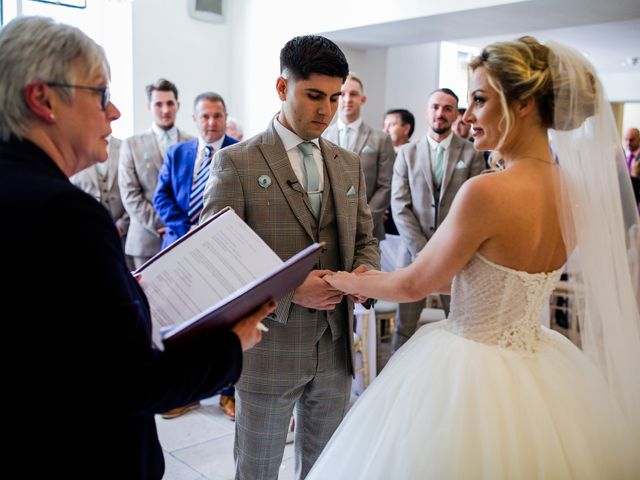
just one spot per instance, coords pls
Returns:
(431, 228)
(433, 205)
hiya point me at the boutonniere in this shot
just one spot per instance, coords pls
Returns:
(264, 181)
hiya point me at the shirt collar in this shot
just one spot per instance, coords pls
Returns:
(217, 145)
(444, 143)
(289, 139)
(173, 131)
(353, 125)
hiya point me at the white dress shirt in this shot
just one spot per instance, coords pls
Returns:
(217, 145)
(291, 141)
(353, 132)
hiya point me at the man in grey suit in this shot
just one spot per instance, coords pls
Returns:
(427, 175)
(373, 146)
(141, 158)
(294, 188)
(101, 182)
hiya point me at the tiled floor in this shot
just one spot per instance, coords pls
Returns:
(199, 444)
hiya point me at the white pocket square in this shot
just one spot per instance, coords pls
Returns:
(351, 192)
(367, 149)
(460, 164)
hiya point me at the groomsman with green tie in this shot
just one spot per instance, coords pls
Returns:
(373, 146)
(141, 158)
(427, 174)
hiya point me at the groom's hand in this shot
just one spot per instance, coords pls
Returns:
(316, 293)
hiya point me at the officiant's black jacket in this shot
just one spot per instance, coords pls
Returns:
(81, 380)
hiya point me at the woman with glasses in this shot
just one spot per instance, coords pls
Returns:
(81, 377)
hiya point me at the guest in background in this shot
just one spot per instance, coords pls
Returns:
(399, 124)
(178, 198)
(101, 182)
(373, 146)
(427, 176)
(632, 144)
(460, 127)
(140, 162)
(234, 129)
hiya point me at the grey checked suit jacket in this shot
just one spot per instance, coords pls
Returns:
(416, 210)
(140, 163)
(88, 180)
(377, 156)
(282, 217)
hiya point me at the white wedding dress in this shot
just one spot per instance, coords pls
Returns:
(487, 393)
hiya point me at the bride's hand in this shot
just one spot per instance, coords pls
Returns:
(342, 281)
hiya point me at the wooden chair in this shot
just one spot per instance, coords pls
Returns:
(385, 318)
(360, 342)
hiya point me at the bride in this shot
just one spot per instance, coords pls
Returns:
(489, 393)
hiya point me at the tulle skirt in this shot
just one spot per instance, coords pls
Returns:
(446, 407)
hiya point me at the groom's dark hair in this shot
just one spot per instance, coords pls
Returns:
(308, 54)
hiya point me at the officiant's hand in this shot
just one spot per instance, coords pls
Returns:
(247, 328)
(316, 293)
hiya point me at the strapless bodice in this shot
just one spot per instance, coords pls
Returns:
(498, 305)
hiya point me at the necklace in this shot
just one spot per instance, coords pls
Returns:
(538, 159)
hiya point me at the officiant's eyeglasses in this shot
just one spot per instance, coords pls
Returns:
(105, 94)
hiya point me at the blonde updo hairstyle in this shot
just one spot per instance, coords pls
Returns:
(517, 70)
(523, 69)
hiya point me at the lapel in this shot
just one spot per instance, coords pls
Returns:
(332, 133)
(340, 183)
(188, 163)
(150, 144)
(361, 138)
(455, 148)
(277, 159)
(423, 157)
(114, 154)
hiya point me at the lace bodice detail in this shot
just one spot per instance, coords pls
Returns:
(498, 305)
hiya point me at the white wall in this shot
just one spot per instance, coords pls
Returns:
(97, 21)
(370, 65)
(631, 116)
(412, 74)
(194, 55)
(239, 59)
(621, 87)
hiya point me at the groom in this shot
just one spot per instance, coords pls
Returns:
(295, 188)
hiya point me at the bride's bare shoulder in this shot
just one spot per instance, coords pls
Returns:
(489, 184)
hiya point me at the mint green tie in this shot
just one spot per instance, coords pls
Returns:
(344, 137)
(312, 177)
(438, 166)
(165, 142)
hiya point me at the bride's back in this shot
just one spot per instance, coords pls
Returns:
(525, 224)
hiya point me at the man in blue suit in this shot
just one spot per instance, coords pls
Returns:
(178, 197)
